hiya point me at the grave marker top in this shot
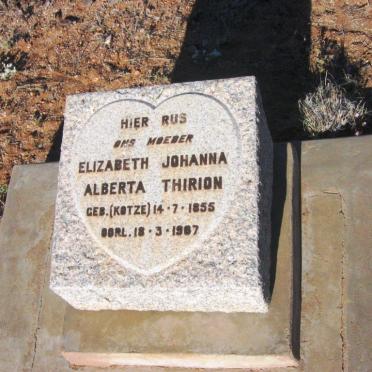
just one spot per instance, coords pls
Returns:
(164, 197)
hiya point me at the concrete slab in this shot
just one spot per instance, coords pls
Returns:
(210, 339)
(337, 254)
(25, 233)
(152, 331)
(336, 283)
(31, 314)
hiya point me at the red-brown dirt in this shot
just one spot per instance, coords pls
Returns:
(60, 48)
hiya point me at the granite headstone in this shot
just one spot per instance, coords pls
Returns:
(164, 198)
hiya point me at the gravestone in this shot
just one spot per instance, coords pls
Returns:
(164, 198)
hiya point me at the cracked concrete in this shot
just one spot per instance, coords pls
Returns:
(45, 285)
(24, 235)
(321, 303)
(337, 214)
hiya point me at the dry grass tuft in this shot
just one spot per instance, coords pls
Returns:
(328, 110)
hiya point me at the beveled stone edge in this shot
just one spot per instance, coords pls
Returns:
(180, 360)
(213, 300)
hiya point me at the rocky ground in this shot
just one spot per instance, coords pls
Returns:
(49, 49)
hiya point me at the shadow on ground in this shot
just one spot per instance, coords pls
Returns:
(265, 38)
(55, 151)
(334, 64)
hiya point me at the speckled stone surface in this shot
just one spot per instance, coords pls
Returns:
(176, 253)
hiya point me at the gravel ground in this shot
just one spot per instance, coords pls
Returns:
(49, 49)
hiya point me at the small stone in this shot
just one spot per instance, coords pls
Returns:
(108, 40)
(214, 54)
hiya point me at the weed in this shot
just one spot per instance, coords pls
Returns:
(3, 189)
(8, 71)
(4, 46)
(3, 192)
(328, 110)
(10, 63)
(337, 103)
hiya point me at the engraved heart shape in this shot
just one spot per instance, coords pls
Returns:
(153, 182)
